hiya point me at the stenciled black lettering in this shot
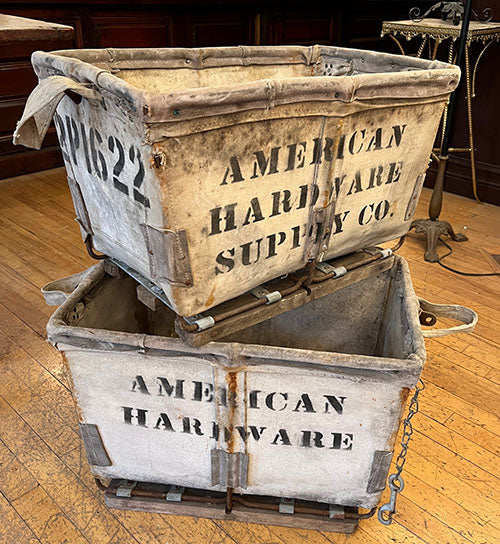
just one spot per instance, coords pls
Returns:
(135, 157)
(262, 163)
(166, 388)
(337, 403)
(227, 262)
(229, 218)
(397, 135)
(114, 143)
(256, 432)
(163, 422)
(282, 436)
(129, 416)
(233, 171)
(140, 385)
(253, 211)
(304, 404)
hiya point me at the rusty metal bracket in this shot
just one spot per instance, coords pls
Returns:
(168, 255)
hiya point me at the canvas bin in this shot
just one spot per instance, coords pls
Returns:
(302, 409)
(212, 171)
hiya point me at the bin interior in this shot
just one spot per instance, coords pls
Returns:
(165, 80)
(371, 317)
(160, 71)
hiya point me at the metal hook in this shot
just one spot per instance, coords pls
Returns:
(390, 507)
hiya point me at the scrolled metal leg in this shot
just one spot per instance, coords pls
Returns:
(433, 229)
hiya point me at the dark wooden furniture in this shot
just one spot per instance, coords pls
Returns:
(19, 37)
(199, 23)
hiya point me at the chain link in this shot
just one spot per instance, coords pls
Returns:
(396, 482)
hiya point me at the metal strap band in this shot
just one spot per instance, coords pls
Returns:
(262, 292)
(336, 512)
(174, 494)
(205, 323)
(229, 469)
(125, 489)
(287, 506)
(384, 253)
(94, 448)
(337, 271)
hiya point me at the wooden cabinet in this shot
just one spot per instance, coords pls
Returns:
(131, 29)
(18, 39)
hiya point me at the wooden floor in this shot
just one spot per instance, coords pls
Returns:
(47, 494)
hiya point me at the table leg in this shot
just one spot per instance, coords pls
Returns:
(469, 122)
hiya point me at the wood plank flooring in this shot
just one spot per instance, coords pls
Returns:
(47, 495)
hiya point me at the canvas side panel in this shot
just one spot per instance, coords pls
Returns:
(104, 153)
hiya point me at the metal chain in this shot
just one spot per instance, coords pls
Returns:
(396, 482)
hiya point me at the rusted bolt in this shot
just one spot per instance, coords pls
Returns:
(159, 159)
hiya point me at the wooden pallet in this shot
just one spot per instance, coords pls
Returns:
(197, 508)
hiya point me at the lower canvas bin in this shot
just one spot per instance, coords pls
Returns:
(305, 405)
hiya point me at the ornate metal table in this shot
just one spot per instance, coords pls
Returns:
(433, 33)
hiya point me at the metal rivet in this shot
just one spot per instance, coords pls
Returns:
(337, 94)
(188, 61)
(176, 112)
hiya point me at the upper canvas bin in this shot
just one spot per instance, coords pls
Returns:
(211, 171)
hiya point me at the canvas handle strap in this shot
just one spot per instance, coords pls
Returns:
(454, 311)
(56, 292)
(41, 106)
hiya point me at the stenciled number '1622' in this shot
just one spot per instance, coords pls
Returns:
(73, 136)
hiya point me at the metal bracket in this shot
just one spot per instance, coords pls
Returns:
(168, 255)
(125, 489)
(378, 474)
(229, 469)
(336, 512)
(329, 269)
(287, 506)
(262, 292)
(174, 494)
(94, 448)
(150, 286)
(384, 253)
(205, 323)
(82, 214)
(201, 321)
